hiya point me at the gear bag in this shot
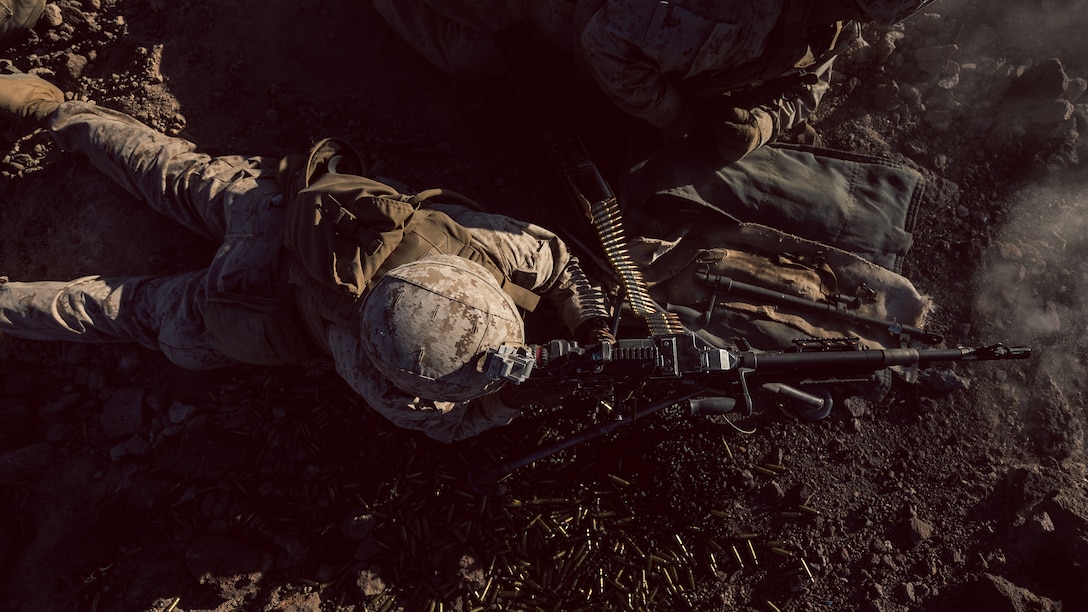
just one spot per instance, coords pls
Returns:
(700, 276)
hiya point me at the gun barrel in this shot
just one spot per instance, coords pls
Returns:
(993, 352)
(875, 359)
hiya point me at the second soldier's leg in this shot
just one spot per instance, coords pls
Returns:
(167, 173)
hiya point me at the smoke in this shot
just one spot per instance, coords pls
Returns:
(1033, 289)
(1035, 281)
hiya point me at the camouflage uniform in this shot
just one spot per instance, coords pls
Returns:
(661, 60)
(237, 201)
(656, 61)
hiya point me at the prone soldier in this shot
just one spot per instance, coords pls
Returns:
(454, 285)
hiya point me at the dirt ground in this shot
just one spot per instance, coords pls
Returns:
(129, 484)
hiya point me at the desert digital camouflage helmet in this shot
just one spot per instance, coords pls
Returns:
(426, 325)
(887, 12)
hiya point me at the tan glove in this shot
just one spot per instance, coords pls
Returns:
(738, 132)
(28, 98)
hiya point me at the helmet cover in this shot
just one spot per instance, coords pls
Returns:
(426, 325)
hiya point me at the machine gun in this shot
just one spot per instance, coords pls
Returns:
(709, 380)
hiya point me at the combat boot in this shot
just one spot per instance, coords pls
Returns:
(28, 98)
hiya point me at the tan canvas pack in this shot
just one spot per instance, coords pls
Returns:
(783, 264)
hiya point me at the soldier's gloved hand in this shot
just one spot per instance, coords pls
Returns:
(594, 331)
(28, 98)
(738, 132)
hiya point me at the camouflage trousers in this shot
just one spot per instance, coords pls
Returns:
(233, 199)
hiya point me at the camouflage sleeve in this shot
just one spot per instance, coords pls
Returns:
(631, 78)
(536, 259)
(635, 48)
(442, 421)
(797, 104)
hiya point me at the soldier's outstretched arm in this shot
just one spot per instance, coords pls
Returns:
(797, 104)
(158, 312)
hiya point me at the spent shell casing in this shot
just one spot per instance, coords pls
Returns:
(808, 571)
(736, 555)
(680, 542)
(657, 560)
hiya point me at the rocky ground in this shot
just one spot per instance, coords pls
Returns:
(129, 484)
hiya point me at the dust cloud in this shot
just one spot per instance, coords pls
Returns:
(1033, 289)
(1032, 286)
(1034, 280)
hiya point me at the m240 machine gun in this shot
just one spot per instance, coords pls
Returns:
(707, 379)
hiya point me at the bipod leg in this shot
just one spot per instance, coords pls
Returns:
(483, 480)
